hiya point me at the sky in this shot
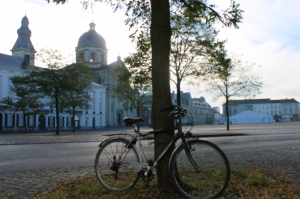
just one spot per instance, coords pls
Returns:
(268, 36)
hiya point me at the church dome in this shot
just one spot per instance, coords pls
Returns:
(91, 38)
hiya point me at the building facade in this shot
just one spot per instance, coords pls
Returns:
(287, 109)
(21, 60)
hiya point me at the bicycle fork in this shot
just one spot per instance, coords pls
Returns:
(188, 148)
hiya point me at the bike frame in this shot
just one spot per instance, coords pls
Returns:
(179, 135)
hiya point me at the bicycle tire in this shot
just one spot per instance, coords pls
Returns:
(114, 165)
(214, 175)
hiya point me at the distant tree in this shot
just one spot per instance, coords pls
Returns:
(54, 80)
(188, 48)
(229, 76)
(132, 85)
(26, 100)
(81, 78)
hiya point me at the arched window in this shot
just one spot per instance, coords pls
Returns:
(9, 119)
(61, 121)
(27, 59)
(86, 121)
(31, 120)
(21, 118)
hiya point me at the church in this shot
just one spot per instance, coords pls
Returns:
(106, 109)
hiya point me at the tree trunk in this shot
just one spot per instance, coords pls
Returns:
(160, 42)
(178, 95)
(57, 113)
(24, 121)
(73, 120)
(227, 113)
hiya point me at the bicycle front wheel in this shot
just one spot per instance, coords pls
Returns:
(207, 178)
(114, 165)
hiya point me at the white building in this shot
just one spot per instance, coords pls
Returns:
(203, 113)
(93, 46)
(22, 59)
(286, 108)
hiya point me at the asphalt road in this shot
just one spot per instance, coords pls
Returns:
(18, 158)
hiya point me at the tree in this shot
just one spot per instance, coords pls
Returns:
(188, 48)
(54, 80)
(132, 85)
(82, 80)
(26, 101)
(229, 76)
(155, 16)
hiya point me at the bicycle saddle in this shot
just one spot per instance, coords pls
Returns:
(130, 121)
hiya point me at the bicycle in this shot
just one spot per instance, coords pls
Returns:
(197, 168)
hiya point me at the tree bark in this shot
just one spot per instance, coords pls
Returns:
(227, 112)
(160, 42)
(24, 121)
(73, 120)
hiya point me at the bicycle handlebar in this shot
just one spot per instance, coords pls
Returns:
(180, 112)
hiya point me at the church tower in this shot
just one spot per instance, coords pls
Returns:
(91, 48)
(23, 46)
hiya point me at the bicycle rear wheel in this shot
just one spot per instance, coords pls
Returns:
(114, 165)
(214, 172)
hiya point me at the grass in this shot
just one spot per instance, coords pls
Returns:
(246, 184)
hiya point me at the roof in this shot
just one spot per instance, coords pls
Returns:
(11, 61)
(186, 98)
(259, 101)
(24, 35)
(91, 38)
(285, 101)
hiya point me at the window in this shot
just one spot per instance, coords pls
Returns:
(263, 107)
(94, 107)
(27, 59)
(9, 119)
(275, 107)
(100, 96)
(86, 121)
(51, 121)
(69, 121)
(100, 121)
(0, 81)
(21, 118)
(102, 58)
(271, 107)
(280, 112)
(93, 95)
(100, 107)
(267, 107)
(10, 84)
(272, 112)
(61, 122)
(92, 59)
(31, 120)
